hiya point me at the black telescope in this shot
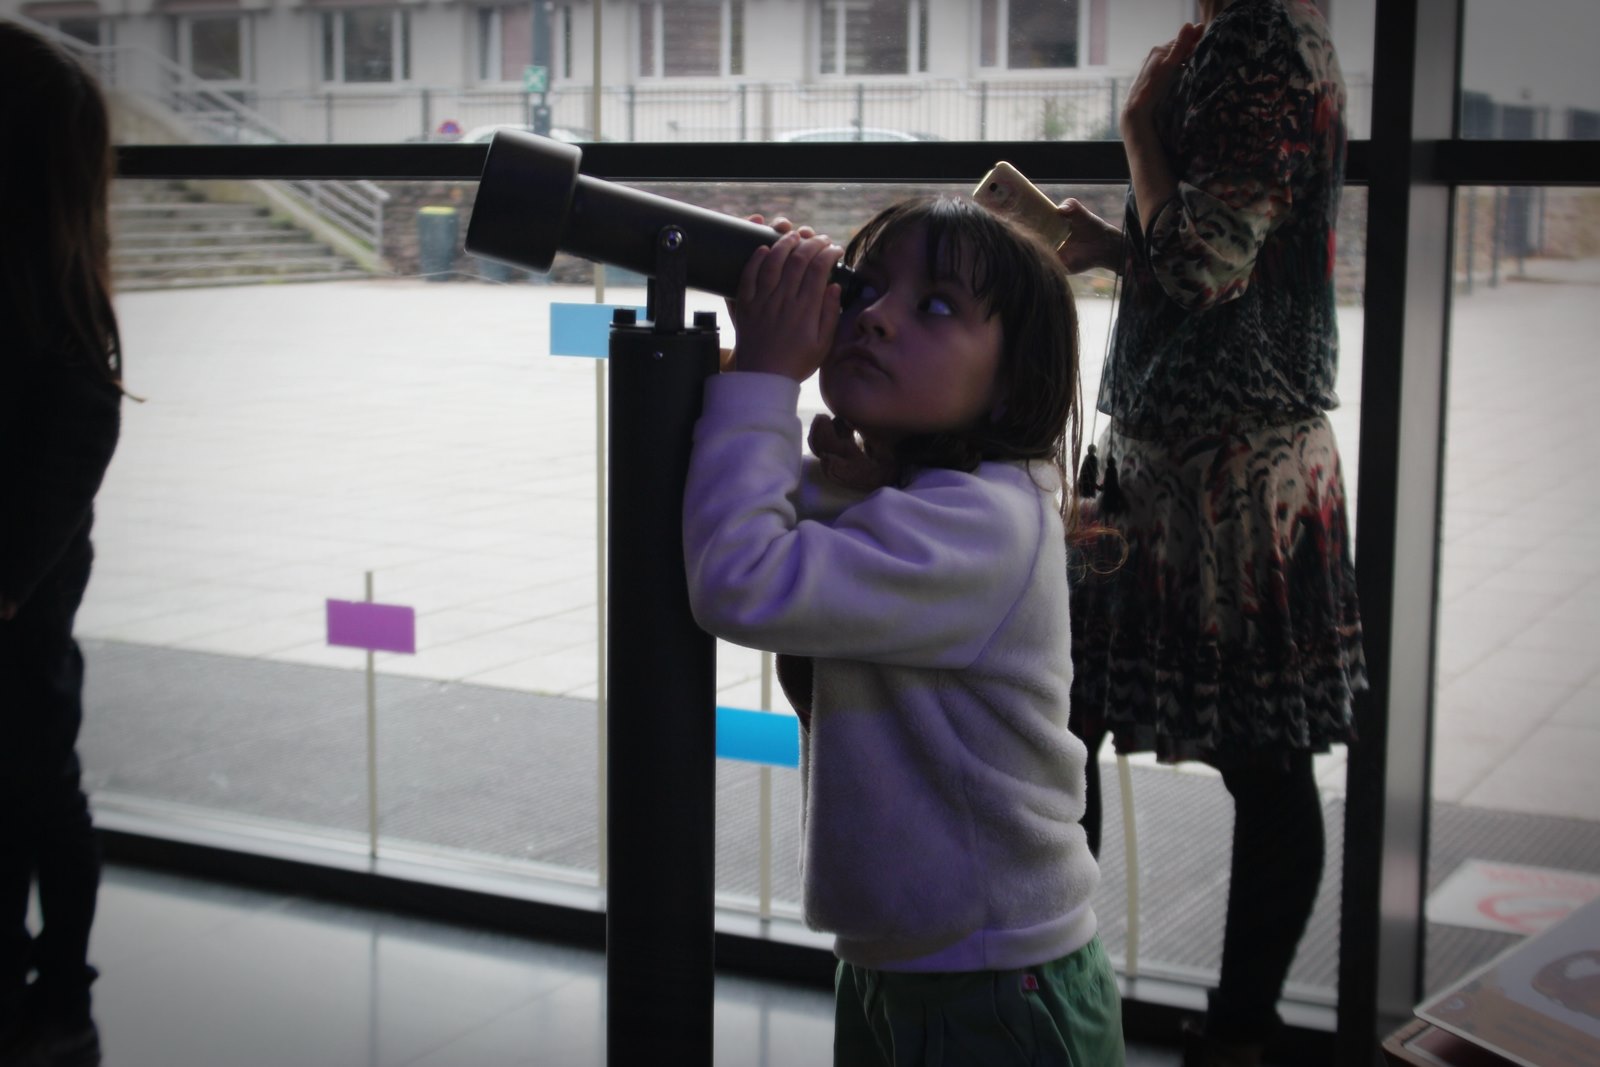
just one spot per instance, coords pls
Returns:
(533, 203)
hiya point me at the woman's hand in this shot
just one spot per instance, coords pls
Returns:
(1094, 242)
(787, 308)
(1148, 170)
(1150, 87)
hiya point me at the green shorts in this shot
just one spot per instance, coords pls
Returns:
(1066, 1012)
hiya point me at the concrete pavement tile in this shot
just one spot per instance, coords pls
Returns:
(561, 673)
(117, 619)
(260, 639)
(1551, 773)
(1532, 665)
(1574, 637)
(448, 625)
(1582, 709)
(451, 663)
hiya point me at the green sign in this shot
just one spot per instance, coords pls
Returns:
(535, 79)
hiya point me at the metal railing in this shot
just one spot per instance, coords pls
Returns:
(191, 109)
(1067, 108)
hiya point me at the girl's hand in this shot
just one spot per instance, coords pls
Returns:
(782, 225)
(1094, 242)
(787, 307)
(1161, 67)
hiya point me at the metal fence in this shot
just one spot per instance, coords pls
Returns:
(978, 110)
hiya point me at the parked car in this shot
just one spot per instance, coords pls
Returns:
(853, 133)
(558, 133)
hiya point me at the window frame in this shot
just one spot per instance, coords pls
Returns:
(916, 41)
(731, 16)
(331, 31)
(247, 73)
(488, 42)
(1002, 28)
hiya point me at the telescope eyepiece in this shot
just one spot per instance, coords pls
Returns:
(849, 284)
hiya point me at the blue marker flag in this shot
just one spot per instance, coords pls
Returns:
(582, 329)
(758, 737)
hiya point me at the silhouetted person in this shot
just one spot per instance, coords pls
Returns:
(59, 418)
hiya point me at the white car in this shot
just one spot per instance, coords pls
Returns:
(852, 133)
(558, 133)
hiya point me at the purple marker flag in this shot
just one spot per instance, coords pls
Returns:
(377, 627)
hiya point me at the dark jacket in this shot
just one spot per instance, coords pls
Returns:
(59, 421)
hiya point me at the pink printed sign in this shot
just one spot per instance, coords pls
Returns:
(378, 627)
(1510, 898)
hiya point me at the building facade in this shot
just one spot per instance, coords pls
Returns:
(661, 70)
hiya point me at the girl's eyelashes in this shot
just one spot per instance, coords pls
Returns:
(863, 294)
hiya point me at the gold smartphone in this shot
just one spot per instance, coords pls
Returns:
(1006, 192)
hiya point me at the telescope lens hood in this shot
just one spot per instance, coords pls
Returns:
(524, 195)
(533, 203)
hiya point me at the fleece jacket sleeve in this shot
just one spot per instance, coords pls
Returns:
(921, 575)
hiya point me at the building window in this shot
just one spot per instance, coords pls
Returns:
(365, 45)
(695, 39)
(566, 40)
(90, 31)
(215, 48)
(862, 37)
(1029, 34)
(505, 43)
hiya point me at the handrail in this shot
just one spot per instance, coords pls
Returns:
(206, 114)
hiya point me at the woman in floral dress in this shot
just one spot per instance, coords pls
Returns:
(1229, 633)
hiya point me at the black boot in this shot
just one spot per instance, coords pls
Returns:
(1200, 1049)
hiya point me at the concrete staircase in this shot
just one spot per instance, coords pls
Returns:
(166, 235)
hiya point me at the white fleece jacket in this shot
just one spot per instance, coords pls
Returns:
(942, 788)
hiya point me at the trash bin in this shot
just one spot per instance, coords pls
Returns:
(438, 239)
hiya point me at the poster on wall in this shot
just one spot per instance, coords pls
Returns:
(1538, 1003)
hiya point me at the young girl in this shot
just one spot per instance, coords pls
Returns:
(922, 571)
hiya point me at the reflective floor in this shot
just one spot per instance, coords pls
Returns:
(200, 973)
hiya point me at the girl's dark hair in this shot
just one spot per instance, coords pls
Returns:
(55, 175)
(1017, 277)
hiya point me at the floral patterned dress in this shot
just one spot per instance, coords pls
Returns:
(1230, 632)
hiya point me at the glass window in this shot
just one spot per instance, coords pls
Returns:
(89, 31)
(868, 36)
(505, 42)
(1527, 70)
(1516, 815)
(1038, 34)
(566, 41)
(366, 45)
(697, 39)
(214, 47)
(219, 537)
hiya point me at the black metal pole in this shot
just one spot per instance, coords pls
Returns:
(1416, 60)
(661, 685)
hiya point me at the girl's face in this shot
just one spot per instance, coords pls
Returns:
(913, 354)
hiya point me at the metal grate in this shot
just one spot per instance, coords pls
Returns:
(512, 774)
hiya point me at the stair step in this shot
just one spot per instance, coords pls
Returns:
(165, 237)
(204, 281)
(182, 207)
(191, 228)
(255, 264)
(157, 240)
(208, 253)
